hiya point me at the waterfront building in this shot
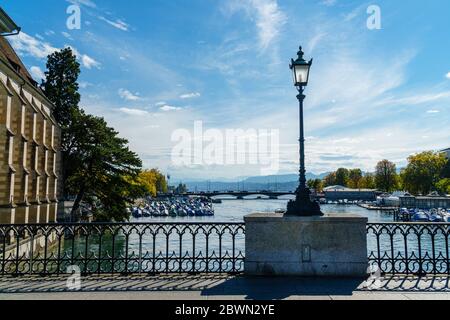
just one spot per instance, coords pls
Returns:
(336, 193)
(426, 203)
(29, 140)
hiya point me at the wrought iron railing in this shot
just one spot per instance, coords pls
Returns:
(124, 248)
(409, 248)
(152, 248)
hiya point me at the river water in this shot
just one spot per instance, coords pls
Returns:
(235, 210)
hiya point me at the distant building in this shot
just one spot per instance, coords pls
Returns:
(447, 152)
(29, 140)
(336, 193)
(429, 202)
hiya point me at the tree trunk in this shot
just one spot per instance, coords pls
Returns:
(77, 203)
(81, 192)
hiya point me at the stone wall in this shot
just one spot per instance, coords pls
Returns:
(29, 157)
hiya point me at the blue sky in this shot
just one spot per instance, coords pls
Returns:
(151, 67)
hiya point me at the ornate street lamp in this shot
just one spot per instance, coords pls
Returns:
(302, 205)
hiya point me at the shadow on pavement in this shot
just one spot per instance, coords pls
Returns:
(222, 285)
(261, 288)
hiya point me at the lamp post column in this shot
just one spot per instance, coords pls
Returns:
(301, 98)
(302, 205)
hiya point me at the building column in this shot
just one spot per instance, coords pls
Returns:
(10, 144)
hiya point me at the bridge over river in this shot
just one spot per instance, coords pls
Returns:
(237, 194)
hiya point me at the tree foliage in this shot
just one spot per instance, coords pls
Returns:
(355, 178)
(316, 184)
(342, 176)
(329, 180)
(443, 186)
(446, 170)
(368, 181)
(180, 189)
(153, 181)
(386, 178)
(423, 173)
(98, 167)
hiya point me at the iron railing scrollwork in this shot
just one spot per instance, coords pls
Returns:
(152, 248)
(124, 248)
(409, 248)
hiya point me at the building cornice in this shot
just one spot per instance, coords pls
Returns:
(23, 83)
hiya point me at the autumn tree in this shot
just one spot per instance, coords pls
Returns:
(153, 181)
(315, 184)
(354, 178)
(424, 172)
(329, 180)
(443, 186)
(367, 181)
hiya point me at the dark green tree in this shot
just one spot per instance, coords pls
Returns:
(446, 171)
(182, 188)
(316, 184)
(386, 178)
(342, 176)
(105, 169)
(354, 178)
(98, 167)
(61, 88)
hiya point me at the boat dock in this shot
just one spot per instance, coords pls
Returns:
(375, 207)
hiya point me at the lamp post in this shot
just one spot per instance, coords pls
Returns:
(302, 205)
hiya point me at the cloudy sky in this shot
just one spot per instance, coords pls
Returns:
(151, 67)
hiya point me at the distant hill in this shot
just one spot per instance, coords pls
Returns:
(288, 182)
(283, 178)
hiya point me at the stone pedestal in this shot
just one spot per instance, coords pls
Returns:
(328, 246)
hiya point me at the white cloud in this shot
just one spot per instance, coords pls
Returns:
(87, 61)
(27, 45)
(447, 75)
(134, 112)
(267, 15)
(328, 3)
(87, 3)
(37, 73)
(418, 98)
(127, 95)
(67, 35)
(315, 40)
(84, 84)
(119, 24)
(160, 104)
(170, 108)
(433, 111)
(190, 95)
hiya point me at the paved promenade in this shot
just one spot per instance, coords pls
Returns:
(223, 287)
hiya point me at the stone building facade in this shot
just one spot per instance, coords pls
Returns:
(29, 146)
